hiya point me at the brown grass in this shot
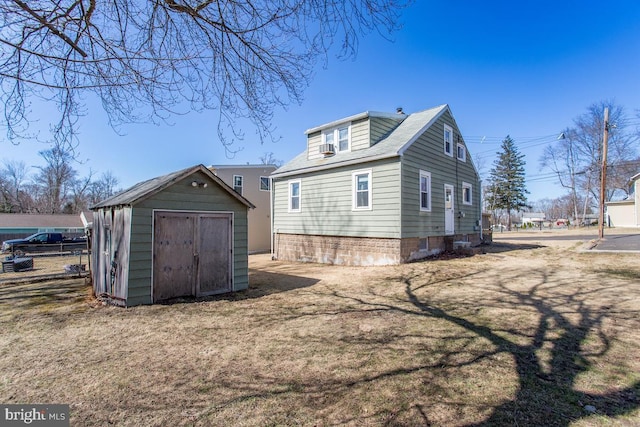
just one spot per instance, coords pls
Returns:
(527, 334)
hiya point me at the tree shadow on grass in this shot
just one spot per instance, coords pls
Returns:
(547, 396)
(499, 247)
(563, 336)
(16, 298)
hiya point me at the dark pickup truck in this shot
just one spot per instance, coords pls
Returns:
(44, 242)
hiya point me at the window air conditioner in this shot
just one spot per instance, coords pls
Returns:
(327, 149)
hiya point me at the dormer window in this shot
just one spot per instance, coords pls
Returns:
(339, 136)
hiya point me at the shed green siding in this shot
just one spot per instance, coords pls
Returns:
(180, 196)
(327, 198)
(427, 154)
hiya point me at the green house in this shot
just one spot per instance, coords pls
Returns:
(377, 188)
(181, 234)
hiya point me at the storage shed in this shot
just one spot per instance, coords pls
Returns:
(181, 234)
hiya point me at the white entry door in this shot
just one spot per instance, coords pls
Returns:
(449, 208)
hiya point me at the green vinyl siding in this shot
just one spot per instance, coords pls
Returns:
(427, 154)
(326, 204)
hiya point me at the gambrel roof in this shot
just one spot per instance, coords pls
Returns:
(393, 145)
(148, 188)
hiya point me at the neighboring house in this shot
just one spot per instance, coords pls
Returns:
(181, 234)
(377, 188)
(254, 183)
(17, 226)
(535, 219)
(626, 213)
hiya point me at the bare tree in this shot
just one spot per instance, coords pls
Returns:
(79, 189)
(270, 159)
(55, 179)
(577, 158)
(147, 60)
(103, 188)
(12, 177)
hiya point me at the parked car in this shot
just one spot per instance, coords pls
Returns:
(44, 242)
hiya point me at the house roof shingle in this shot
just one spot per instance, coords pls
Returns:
(15, 220)
(393, 145)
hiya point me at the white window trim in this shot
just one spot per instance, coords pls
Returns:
(289, 184)
(470, 187)
(241, 183)
(427, 175)
(260, 183)
(354, 190)
(464, 152)
(336, 136)
(444, 143)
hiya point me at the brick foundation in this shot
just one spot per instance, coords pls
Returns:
(360, 250)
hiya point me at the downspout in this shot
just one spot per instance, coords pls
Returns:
(272, 195)
(480, 203)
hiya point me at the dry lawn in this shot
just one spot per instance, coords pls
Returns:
(527, 334)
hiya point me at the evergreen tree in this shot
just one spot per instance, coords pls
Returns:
(507, 186)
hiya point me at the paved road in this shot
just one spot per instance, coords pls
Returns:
(619, 242)
(611, 241)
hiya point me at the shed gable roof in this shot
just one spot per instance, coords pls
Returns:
(148, 188)
(394, 144)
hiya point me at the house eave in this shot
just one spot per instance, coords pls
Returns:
(334, 165)
(355, 117)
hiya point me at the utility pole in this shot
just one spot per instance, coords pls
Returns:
(603, 174)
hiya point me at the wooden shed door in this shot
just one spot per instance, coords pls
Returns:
(215, 260)
(173, 255)
(191, 254)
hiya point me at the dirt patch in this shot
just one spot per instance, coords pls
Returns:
(531, 333)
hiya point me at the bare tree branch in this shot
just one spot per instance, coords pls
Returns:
(149, 60)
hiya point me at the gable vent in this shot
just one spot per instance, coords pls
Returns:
(327, 149)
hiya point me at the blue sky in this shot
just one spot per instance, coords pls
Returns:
(524, 69)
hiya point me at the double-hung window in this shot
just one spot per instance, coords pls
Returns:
(467, 194)
(362, 190)
(265, 184)
(237, 183)
(425, 191)
(294, 196)
(462, 153)
(340, 137)
(448, 140)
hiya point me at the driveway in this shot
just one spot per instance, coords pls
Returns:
(615, 240)
(619, 242)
